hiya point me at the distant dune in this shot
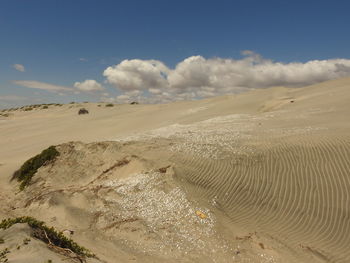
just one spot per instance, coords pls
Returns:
(262, 176)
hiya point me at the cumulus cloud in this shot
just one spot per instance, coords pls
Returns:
(19, 67)
(137, 74)
(41, 85)
(88, 85)
(198, 77)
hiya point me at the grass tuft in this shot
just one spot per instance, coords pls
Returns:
(30, 167)
(49, 235)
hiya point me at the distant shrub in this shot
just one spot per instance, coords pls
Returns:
(99, 105)
(134, 102)
(109, 105)
(28, 109)
(45, 107)
(49, 235)
(83, 111)
(25, 174)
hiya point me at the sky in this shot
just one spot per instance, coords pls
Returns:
(158, 51)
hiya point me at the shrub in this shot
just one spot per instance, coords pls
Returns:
(28, 109)
(31, 166)
(47, 234)
(45, 107)
(83, 111)
(109, 105)
(134, 103)
(3, 257)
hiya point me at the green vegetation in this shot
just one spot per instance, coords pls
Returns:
(3, 257)
(47, 234)
(109, 105)
(26, 241)
(30, 167)
(34, 106)
(2, 241)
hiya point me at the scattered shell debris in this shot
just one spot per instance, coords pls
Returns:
(166, 221)
(216, 138)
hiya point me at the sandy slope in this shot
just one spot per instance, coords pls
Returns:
(257, 177)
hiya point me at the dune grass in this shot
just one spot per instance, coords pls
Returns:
(48, 235)
(25, 174)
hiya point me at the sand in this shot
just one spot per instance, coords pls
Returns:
(261, 176)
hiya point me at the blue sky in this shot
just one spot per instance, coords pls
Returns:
(63, 42)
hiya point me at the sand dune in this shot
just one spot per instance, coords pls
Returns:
(258, 177)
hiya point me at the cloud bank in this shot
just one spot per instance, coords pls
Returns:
(19, 67)
(198, 77)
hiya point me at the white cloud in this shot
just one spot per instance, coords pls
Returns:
(19, 67)
(198, 77)
(41, 85)
(137, 74)
(88, 85)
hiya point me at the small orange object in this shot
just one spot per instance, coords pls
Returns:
(200, 214)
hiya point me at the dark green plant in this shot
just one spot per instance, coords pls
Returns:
(2, 241)
(26, 241)
(47, 234)
(45, 107)
(28, 109)
(109, 105)
(3, 257)
(29, 168)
